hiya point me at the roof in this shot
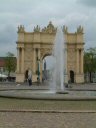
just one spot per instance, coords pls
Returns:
(2, 61)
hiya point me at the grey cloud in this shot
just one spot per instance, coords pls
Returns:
(8, 37)
(90, 36)
(24, 6)
(17, 5)
(4, 48)
(11, 17)
(32, 12)
(89, 3)
(8, 34)
(73, 20)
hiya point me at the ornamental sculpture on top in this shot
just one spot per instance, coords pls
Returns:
(37, 29)
(79, 30)
(49, 29)
(21, 28)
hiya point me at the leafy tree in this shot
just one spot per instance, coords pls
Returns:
(90, 61)
(10, 63)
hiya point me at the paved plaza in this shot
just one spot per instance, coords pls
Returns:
(23, 113)
(47, 120)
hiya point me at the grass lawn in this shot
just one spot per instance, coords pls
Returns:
(8, 103)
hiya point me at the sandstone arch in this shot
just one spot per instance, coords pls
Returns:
(32, 47)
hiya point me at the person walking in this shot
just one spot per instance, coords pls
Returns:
(38, 81)
(30, 77)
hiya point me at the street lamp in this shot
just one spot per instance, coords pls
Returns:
(45, 72)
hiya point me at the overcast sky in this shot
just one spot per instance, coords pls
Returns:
(29, 13)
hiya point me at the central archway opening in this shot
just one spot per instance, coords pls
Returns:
(47, 68)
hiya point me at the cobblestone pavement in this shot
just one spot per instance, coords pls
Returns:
(47, 120)
(45, 85)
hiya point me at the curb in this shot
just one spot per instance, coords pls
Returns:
(48, 111)
(49, 98)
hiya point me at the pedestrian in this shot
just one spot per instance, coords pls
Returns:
(38, 81)
(29, 77)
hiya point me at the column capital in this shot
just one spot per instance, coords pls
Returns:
(79, 49)
(21, 47)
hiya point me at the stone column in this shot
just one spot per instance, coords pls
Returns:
(77, 61)
(34, 60)
(41, 64)
(39, 55)
(22, 60)
(82, 61)
(18, 60)
(65, 65)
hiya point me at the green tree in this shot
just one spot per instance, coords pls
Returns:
(90, 61)
(10, 63)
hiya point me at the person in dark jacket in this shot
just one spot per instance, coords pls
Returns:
(30, 77)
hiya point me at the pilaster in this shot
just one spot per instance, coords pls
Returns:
(18, 60)
(65, 65)
(82, 55)
(34, 60)
(77, 61)
(22, 60)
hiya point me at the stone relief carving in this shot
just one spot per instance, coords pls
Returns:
(71, 55)
(45, 51)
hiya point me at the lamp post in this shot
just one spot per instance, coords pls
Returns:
(45, 72)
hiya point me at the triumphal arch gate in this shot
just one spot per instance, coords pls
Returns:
(32, 47)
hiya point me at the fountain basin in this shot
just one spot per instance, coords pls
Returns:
(47, 95)
(62, 92)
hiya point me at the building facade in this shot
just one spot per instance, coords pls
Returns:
(32, 47)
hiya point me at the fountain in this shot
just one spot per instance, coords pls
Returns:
(58, 53)
(57, 86)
